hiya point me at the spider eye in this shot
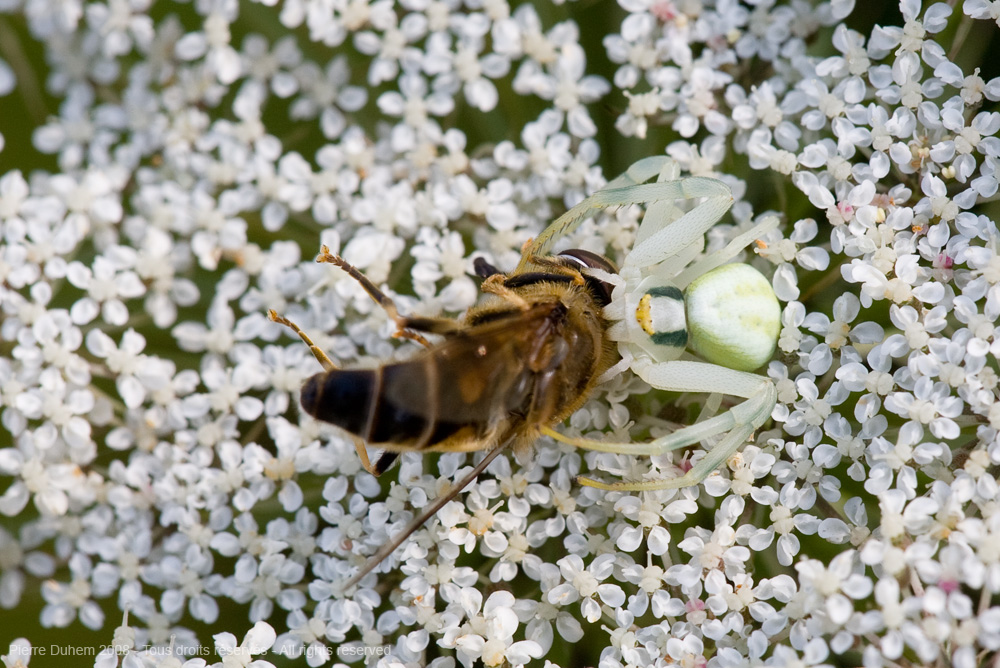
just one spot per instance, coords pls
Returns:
(600, 289)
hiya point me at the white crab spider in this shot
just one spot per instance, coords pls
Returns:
(666, 298)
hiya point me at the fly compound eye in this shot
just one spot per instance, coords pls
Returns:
(587, 260)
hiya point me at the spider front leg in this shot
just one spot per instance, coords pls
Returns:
(655, 242)
(665, 230)
(681, 376)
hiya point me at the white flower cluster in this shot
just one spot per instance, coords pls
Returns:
(153, 458)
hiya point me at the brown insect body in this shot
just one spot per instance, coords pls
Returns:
(518, 363)
(525, 358)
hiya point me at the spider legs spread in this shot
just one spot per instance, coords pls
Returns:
(760, 397)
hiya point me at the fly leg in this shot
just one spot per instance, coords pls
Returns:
(385, 459)
(407, 327)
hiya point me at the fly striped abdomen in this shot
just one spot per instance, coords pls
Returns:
(397, 404)
(343, 397)
(462, 390)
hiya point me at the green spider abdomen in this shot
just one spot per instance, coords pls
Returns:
(733, 317)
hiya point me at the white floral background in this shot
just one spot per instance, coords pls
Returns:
(169, 170)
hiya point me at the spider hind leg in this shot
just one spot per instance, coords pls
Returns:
(738, 423)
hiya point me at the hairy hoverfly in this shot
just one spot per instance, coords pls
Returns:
(522, 360)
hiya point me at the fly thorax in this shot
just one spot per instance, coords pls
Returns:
(659, 313)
